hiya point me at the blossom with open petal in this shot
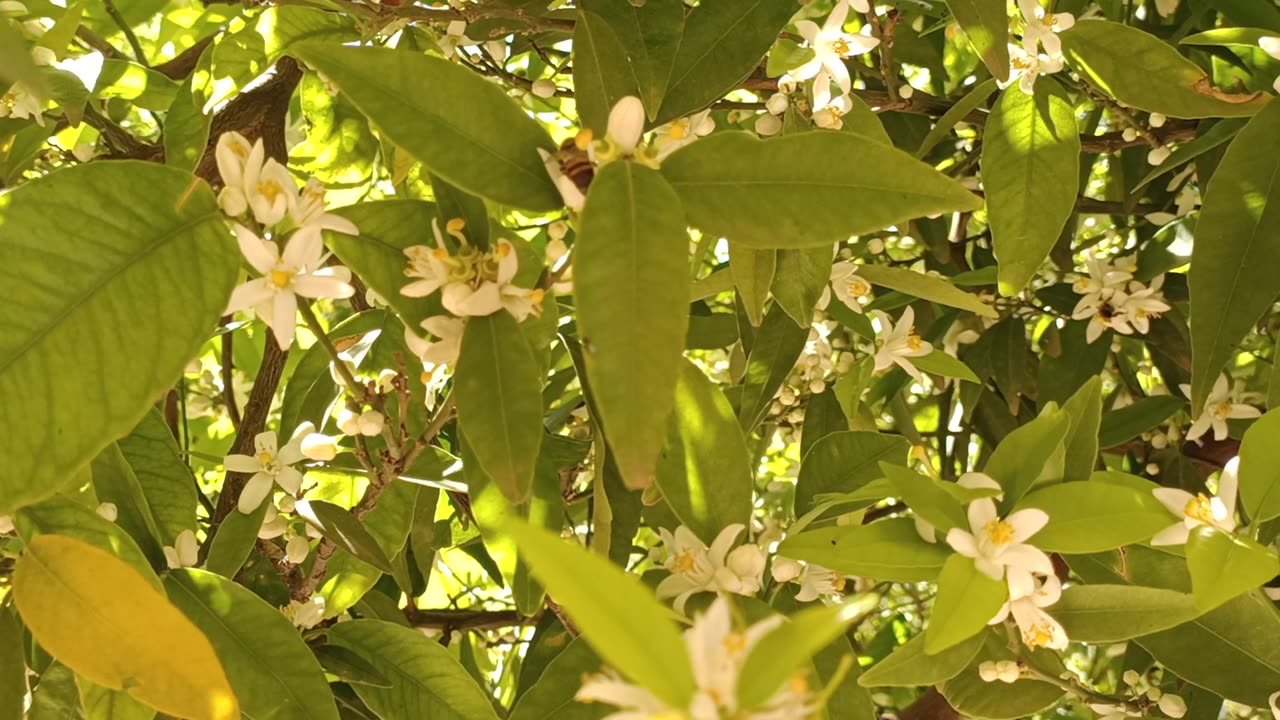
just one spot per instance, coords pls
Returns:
(21, 102)
(1271, 46)
(682, 131)
(1141, 303)
(969, 481)
(831, 46)
(311, 214)
(900, 342)
(815, 581)
(270, 465)
(573, 197)
(717, 651)
(696, 568)
(251, 181)
(299, 270)
(997, 544)
(1218, 408)
(1025, 67)
(848, 287)
(233, 153)
(184, 551)
(1028, 596)
(1200, 509)
(305, 614)
(446, 346)
(1042, 28)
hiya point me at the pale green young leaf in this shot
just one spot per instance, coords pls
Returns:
(772, 193)
(967, 599)
(1030, 454)
(271, 670)
(986, 24)
(886, 549)
(909, 666)
(616, 612)
(1224, 565)
(1237, 242)
(1031, 171)
(462, 127)
(104, 251)
(1259, 470)
(925, 287)
(1087, 517)
(630, 270)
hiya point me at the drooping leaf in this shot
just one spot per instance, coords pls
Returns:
(772, 193)
(967, 599)
(630, 270)
(924, 287)
(617, 614)
(103, 250)
(499, 394)
(910, 666)
(1142, 71)
(1237, 240)
(271, 670)
(124, 638)
(1031, 171)
(462, 127)
(344, 530)
(427, 681)
(774, 350)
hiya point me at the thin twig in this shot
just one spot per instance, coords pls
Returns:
(228, 386)
(128, 31)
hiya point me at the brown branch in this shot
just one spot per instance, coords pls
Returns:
(452, 619)
(183, 65)
(228, 377)
(253, 422)
(258, 113)
(99, 43)
(930, 706)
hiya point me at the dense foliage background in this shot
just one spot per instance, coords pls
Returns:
(639, 359)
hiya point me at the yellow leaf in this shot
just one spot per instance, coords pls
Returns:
(104, 620)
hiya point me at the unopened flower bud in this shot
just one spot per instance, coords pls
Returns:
(287, 504)
(107, 511)
(1008, 671)
(543, 88)
(785, 569)
(906, 91)
(371, 423)
(987, 671)
(1158, 155)
(1131, 678)
(1156, 120)
(556, 249)
(875, 245)
(319, 447)
(1172, 705)
(296, 550)
(349, 422)
(777, 104)
(1129, 134)
(767, 125)
(557, 230)
(6, 524)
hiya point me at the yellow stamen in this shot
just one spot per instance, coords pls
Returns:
(735, 643)
(270, 189)
(840, 46)
(504, 249)
(914, 343)
(999, 532)
(1038, 636)
(281, 278)
(799, 684)
(838, 582)
(266, 458)
(440, 253)
(1200, 508)
(859, 287)
(684, 562)
(1222, 411)
(536, 296)
(679, 129)
(455, 225)
(584, 138)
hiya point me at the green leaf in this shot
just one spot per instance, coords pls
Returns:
(103, 253)
(1224, 565)
(452, 202)
(986, 24)
(1222, 131)
(967, 599)
(974, 697)
(1115, 613)
(1121, 426)
(147, 88)
(957, 113)
(630, 271)
(270, 668)
(1087, 517)
(773, 353)
(65, 517)
(166, 481)
(650, 33)
(787, 55)
(349, 666)
(925, 287)
(602, 74)
(753, 272)
(927, 498)
(722, 43)
(56, 696)
(704, 473)
(910, 666)
(1229, 36)
(886, 549)
(100, 703)
(939, 362)
(13, 667)
(16, 64)
(788, 647)
(800, 278)
(186, 126)
(118, 639)
(499, 394)
(1084, 408)
(774, 194)
(616, 612)
(1031, 172)
(349, 578)
(551, 697)
(377, 254)
(1237, 241)
(1030, 454)
(234, 540)
(1144, 72)
(427, 681)
(461, 126)
(1259, 470)
(344, 530)
(845, 461)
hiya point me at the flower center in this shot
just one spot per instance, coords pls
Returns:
(838, 582)
(858, 287)
(685, 561)
(998, 532)
(1200, 508)
(1038, 636)
(455, 225)
(914, 343)
(679, 129)
(735, 643)
(271, 190)
(584, 138)
(268, 461)
(1222, 411)
(840, 46)
(281, 278)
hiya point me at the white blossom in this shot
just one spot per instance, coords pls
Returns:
(898, 344)
(815, 581)
(848, 287)
(1042, 28)
(21, 102)
(831, 46)
(1028, 596)
(682, 131)
(1271, 46)
(184, 552)
(305, 614)
(696, 568)
(1200, 509)
(108, 511)
(997, 544)
(269, 465)
(1218, 408)
(472, 282)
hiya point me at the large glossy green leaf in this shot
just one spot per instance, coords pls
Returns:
(1224, 565)
(1237, 242)
(722, 43)
(602, 73)
(1087, 517)
(125, 638)
(616, 612)
(13, 668)
(166, 481)
(967, 600)
(910, 666)
(427, 681)
(779, 654)
(704, 473)
(927, 498)
(1084, 408)
(1031, 171)
(777, 194)
(1144, 72)
(499, 394)
(1259, 470)
(974, 697)
(630, 270)
(1034, 452)
(272, 671)
(551, 695)
(799, 280)
(234, 540)
(886, 549)
(844, 462)
(101, 703)
(114, 482)
(924, 287)
(105, 310)
(377, 254)
(349, 578)
(1115, 613)
(650, 33)
(464, 128)
(986, 24)
(1127, 423)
